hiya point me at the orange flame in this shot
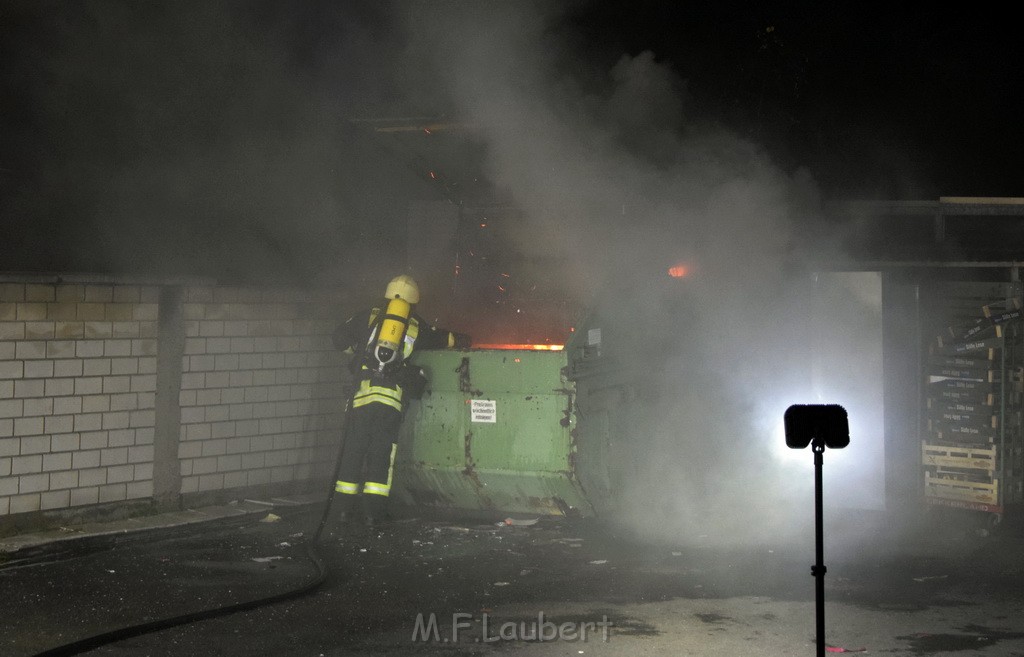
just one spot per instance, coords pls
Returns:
(678, 271)
(528, 347)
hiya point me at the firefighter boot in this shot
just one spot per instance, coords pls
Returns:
(338, 515)
(374, 509)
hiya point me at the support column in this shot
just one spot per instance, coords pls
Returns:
(170, 349)
(902, 369)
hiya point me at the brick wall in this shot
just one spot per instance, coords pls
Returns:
(113, 391)
(261, 389)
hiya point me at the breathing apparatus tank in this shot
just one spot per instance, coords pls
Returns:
(402, 292)
(392, 333)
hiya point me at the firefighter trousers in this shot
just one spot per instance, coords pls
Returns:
(368, 456)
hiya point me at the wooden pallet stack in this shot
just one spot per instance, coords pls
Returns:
(972, 447)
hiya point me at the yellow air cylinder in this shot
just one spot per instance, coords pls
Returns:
(392, 330)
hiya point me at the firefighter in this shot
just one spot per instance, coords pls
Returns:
(381, 341)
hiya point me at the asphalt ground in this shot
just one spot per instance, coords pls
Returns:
(421, 586)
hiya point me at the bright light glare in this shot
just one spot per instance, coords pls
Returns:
(773, 423)
(861, 482)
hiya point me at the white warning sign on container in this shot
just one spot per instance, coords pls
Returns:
(483, 410)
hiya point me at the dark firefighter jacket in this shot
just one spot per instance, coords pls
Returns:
(355, 334)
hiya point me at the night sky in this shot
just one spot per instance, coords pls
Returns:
(236, 131)
(855, 94)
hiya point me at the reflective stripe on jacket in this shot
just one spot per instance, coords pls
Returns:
(369, 394)
(385, 392)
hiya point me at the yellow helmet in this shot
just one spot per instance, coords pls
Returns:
(403, 287)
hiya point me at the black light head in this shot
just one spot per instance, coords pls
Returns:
(826, 424)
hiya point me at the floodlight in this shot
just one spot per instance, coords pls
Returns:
(824, 424)
(820, 426)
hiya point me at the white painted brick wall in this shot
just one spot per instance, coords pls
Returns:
(245, 353)
(65, 350)
(259, 399)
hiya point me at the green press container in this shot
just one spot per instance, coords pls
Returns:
(496, 432)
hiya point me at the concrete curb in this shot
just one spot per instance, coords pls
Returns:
(239, 510)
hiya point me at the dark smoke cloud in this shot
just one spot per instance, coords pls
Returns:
(209, 138)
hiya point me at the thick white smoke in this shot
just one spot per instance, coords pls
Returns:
(618, 180)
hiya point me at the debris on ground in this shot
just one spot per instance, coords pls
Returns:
(271, 517)
(256, 502)
(517, 522)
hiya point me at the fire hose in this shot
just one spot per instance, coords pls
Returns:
(120, 634)
(97, 640)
